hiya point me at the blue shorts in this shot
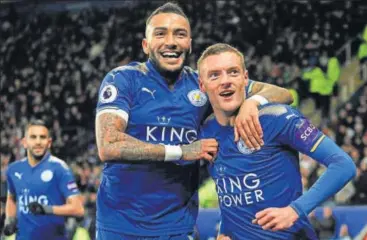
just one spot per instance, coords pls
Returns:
(107, 235)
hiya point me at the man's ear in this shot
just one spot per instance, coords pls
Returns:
(49, 143)
(144, 44)
(190, 46)
(245, 75)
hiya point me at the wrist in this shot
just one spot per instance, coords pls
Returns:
(10, 220)
(295, 206)
(172, 153)
(259, 99)
(48, 209)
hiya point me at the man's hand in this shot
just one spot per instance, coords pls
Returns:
(203, 149)
(247, 125)
(10, 226)
(39, 209)
(223, 237)
(276, 218)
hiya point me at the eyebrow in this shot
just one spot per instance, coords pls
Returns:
(165, 29)
(41, 135)
(213, 71)
(233, 68)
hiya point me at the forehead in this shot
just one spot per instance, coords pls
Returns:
(169, 20)
(221, 61)
(37, 130)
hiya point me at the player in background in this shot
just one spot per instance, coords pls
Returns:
(260, 191)
(41, 190)
(147, 122)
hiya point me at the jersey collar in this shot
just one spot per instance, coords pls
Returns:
(152, 69)
(44, 159)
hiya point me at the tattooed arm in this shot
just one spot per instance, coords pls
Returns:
(272, 93)
(114, 144)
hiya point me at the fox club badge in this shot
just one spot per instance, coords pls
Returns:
(197, 98)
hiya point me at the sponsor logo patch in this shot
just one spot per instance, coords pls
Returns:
(306, 132)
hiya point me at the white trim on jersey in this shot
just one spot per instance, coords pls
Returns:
(58, 160)
(121, 113)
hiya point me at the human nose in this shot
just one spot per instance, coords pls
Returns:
(225, 80)
(170, 40)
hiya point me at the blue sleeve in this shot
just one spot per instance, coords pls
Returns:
(115, 92)
(10, 184)
(67, 184)
(300, 134)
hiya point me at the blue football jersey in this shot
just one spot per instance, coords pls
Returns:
(50, 182)
(249, 181)
(151, 198)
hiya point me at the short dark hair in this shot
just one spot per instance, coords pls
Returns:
(217, 49)
(37, 122)
(169, 7)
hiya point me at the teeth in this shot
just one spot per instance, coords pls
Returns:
(226, 93)
(170, 54)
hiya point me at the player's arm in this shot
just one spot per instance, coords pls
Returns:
(340, 170)
(247, 125)
(114, 144)
(301, 135)
(10, 225)
(72, 207)
(69, 190)
(116, 97)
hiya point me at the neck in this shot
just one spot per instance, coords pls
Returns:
(169, 77)
(33, 161)
(225, 118)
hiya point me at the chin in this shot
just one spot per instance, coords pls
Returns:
(172, 68)
(229, 107)
(39, 155)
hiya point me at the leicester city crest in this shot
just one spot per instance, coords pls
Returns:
(243, 148)
(197, 98)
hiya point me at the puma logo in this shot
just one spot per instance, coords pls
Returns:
(18, 175)
(144, 89)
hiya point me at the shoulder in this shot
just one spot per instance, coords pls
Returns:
(274, 117)
(133, 67)
(123, 72)
(276, 111)
(58, 163)
(191, 73)
(16, 165)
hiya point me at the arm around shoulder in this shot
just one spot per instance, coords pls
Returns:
(271, 93)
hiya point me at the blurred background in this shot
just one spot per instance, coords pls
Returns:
(54, 55)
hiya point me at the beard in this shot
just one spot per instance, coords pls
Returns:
(168, 73)
(38, 157)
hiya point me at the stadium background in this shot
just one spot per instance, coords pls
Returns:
(54, 55)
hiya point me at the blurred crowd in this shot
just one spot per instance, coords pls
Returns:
(51, 67)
